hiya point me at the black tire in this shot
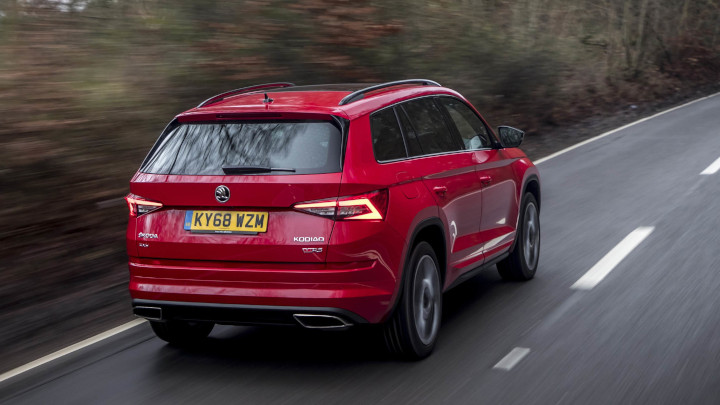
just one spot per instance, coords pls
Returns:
(412, 331)
(181, 332)
(522, 263)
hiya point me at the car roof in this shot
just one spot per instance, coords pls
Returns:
(317, 99)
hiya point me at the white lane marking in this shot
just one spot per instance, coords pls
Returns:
(602, 268)
(73, 348)
(713, 168)
(512, 358)
(585, 142)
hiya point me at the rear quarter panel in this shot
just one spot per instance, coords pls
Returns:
(409, 204)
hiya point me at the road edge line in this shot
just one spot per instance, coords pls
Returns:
(70, 349)
(603, 135)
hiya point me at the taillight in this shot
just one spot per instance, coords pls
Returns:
(139, 206)
(367, 206)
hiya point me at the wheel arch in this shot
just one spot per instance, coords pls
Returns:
(431, 230)
(532, 185)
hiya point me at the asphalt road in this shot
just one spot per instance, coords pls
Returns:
(649, 332)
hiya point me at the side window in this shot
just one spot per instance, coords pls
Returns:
(472, 130)
(387, 139)
(413, 145)
(429, 125)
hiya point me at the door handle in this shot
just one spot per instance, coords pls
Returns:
(485, 181)
(440, 190)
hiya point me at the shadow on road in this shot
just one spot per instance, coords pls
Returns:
(251, 347)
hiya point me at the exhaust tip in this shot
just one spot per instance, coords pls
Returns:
(150, 313)
(317, 321)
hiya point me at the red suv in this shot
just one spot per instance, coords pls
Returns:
(327, 206)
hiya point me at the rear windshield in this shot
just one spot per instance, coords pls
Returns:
(308, 147)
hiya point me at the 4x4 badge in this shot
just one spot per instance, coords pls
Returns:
(222, 194)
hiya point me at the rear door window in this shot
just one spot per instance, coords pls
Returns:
(429, 125)
(204, 148)
(413, 145)
(470, 127)
(387, 139)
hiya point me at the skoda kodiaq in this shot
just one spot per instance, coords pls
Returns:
(327, 206)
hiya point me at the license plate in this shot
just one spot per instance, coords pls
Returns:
(243, 222)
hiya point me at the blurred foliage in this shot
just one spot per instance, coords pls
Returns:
(87, 85)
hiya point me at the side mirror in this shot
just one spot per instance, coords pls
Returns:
(510, 137)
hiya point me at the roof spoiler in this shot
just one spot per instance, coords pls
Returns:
(222, 96)
(357, 95)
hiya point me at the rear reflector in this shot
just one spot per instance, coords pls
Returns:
(369, 206)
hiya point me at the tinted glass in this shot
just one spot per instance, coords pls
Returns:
(410, 137)
(472, 130)
(429, 125)
(203, 149)
(386, 136)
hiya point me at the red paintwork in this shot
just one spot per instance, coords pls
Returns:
(360, 267)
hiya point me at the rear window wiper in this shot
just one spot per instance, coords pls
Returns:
(254, 169)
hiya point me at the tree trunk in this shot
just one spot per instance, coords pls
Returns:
(640, 40)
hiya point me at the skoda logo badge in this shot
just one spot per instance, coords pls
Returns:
(222, 194)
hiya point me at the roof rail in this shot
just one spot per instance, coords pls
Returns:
(222, 96)
(357, 95)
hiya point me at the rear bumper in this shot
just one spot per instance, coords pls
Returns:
(262, 293)
(235, 314)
